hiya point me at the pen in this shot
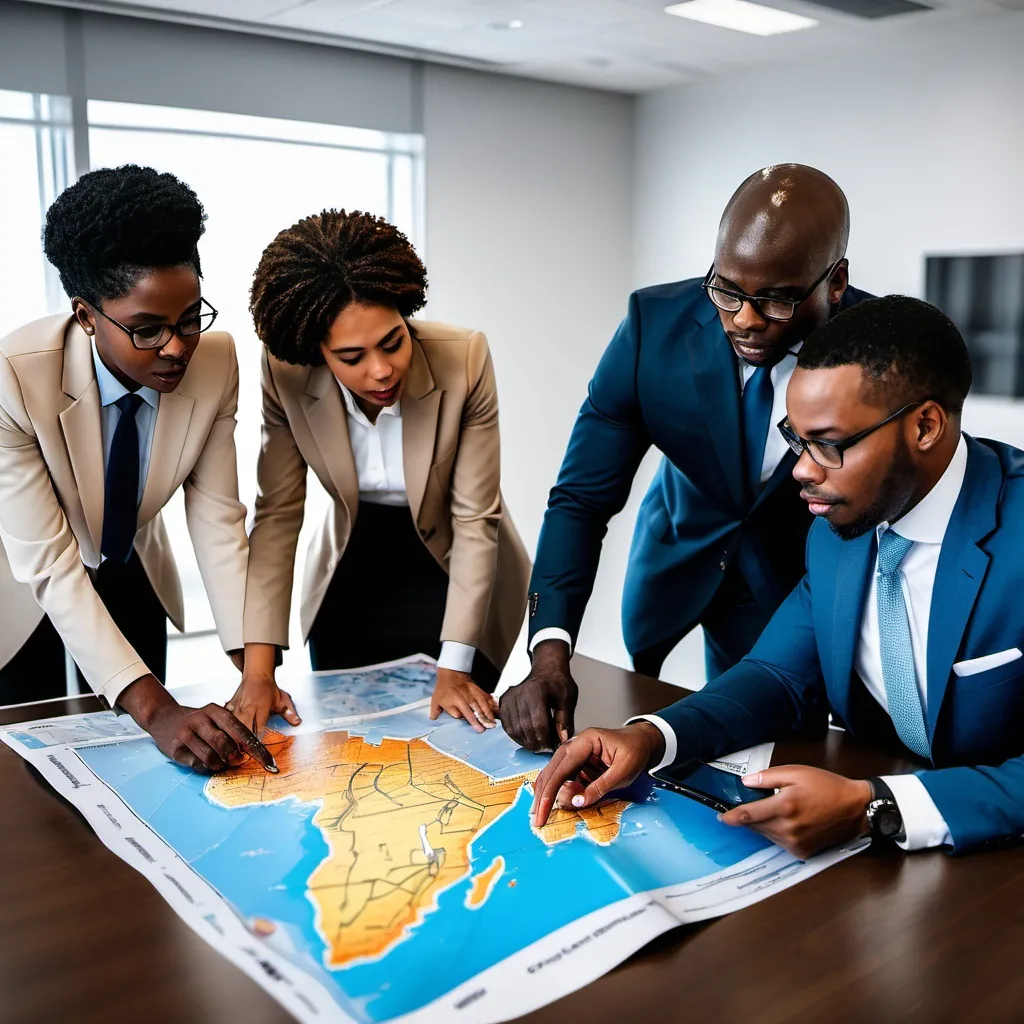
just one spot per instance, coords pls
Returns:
(260, 752)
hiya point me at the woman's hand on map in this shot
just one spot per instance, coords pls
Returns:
(574, 777)
(456, 693)
(207, 739)
(812, 810)
(259, 697)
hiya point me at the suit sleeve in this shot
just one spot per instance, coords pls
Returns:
(774, 690)
(476, 506)
(44, 553)
(607, 444)
(980, 805)
(280, 502)
(215, 516)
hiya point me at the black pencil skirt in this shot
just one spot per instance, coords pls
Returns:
(386, 599)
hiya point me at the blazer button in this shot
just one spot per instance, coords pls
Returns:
(721, 565)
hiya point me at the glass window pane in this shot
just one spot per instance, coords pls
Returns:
(35, 164)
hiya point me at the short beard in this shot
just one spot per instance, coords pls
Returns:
(892, 499)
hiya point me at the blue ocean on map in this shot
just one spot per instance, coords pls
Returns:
(260, 857)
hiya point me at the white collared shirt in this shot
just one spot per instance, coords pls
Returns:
(775, 447)
(111, 389)
(380, 470)
(925, 524)
(377, 450)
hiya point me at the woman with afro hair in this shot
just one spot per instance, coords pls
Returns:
(105, 411)
(398, 418)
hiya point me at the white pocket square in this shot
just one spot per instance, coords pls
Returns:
(975, 665)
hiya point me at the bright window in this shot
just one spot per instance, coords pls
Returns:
(36, 164)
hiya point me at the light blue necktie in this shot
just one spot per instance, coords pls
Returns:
(897, 647)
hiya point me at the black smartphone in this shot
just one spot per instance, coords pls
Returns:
(719, 790)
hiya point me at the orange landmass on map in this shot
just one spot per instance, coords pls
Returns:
(398, 820)
(483, 883)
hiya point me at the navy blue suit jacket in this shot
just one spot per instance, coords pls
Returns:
(669, 378)
(806, 656)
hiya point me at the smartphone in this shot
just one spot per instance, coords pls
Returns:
(719, 790)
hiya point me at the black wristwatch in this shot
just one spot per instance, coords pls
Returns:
(884, 818)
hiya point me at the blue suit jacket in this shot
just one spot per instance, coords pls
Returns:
(669, 378)
(806, 656)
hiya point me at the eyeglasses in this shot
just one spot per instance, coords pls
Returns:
(829, 454)
(151, 336)
(771, 309)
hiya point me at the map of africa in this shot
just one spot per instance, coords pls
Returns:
(391, 868)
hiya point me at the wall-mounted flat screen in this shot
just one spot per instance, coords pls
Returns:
(984, 297)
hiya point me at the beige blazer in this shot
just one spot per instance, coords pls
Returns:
(451, 457)
(51, 495)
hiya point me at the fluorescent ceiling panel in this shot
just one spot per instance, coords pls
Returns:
(742, 16)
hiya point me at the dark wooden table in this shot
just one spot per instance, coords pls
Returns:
(922, 937)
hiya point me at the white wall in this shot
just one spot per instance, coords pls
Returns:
(926, 137)
(529, 238)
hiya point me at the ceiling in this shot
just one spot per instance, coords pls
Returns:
(621, 45)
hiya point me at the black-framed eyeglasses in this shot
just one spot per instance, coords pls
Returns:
(829, 454)
(770, 308)
(151, 336)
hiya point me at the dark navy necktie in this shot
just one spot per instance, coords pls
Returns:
(758, 396)
(121, 489)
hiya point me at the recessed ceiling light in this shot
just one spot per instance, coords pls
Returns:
(742, 16)
(502, 26)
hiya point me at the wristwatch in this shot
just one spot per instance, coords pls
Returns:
(883, 814)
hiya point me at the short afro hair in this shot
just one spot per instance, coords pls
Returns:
(906, 347)
(311, 271)
(113, 225)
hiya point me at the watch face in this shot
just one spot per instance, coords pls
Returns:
(888, 822)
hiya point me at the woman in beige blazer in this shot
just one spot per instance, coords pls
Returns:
(104, 414)
(398, 418)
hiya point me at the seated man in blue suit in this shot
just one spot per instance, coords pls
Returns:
(907, 623)
(699, 370)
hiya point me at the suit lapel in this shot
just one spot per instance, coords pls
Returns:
(328, 423)
(421, 404)
(80, 424)
(961, 570)
(853, 577)
(718, 392)
(173, 416)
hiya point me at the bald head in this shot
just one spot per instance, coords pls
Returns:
(788, 211)
(784, 229)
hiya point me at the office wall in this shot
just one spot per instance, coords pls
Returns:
(529, 238)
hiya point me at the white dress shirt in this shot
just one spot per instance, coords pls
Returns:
(925, 524)
(380, 469)
(775, 447)
(111, 389)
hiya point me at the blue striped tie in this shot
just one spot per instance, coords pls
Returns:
(897, 647)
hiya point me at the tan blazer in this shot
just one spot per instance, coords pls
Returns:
(51, 495)
(451, 456)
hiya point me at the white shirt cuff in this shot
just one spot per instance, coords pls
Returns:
(923, 825)
(455, 656)
(551, 633)
(666, 731)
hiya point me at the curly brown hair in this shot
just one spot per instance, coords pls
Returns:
(311, 271)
